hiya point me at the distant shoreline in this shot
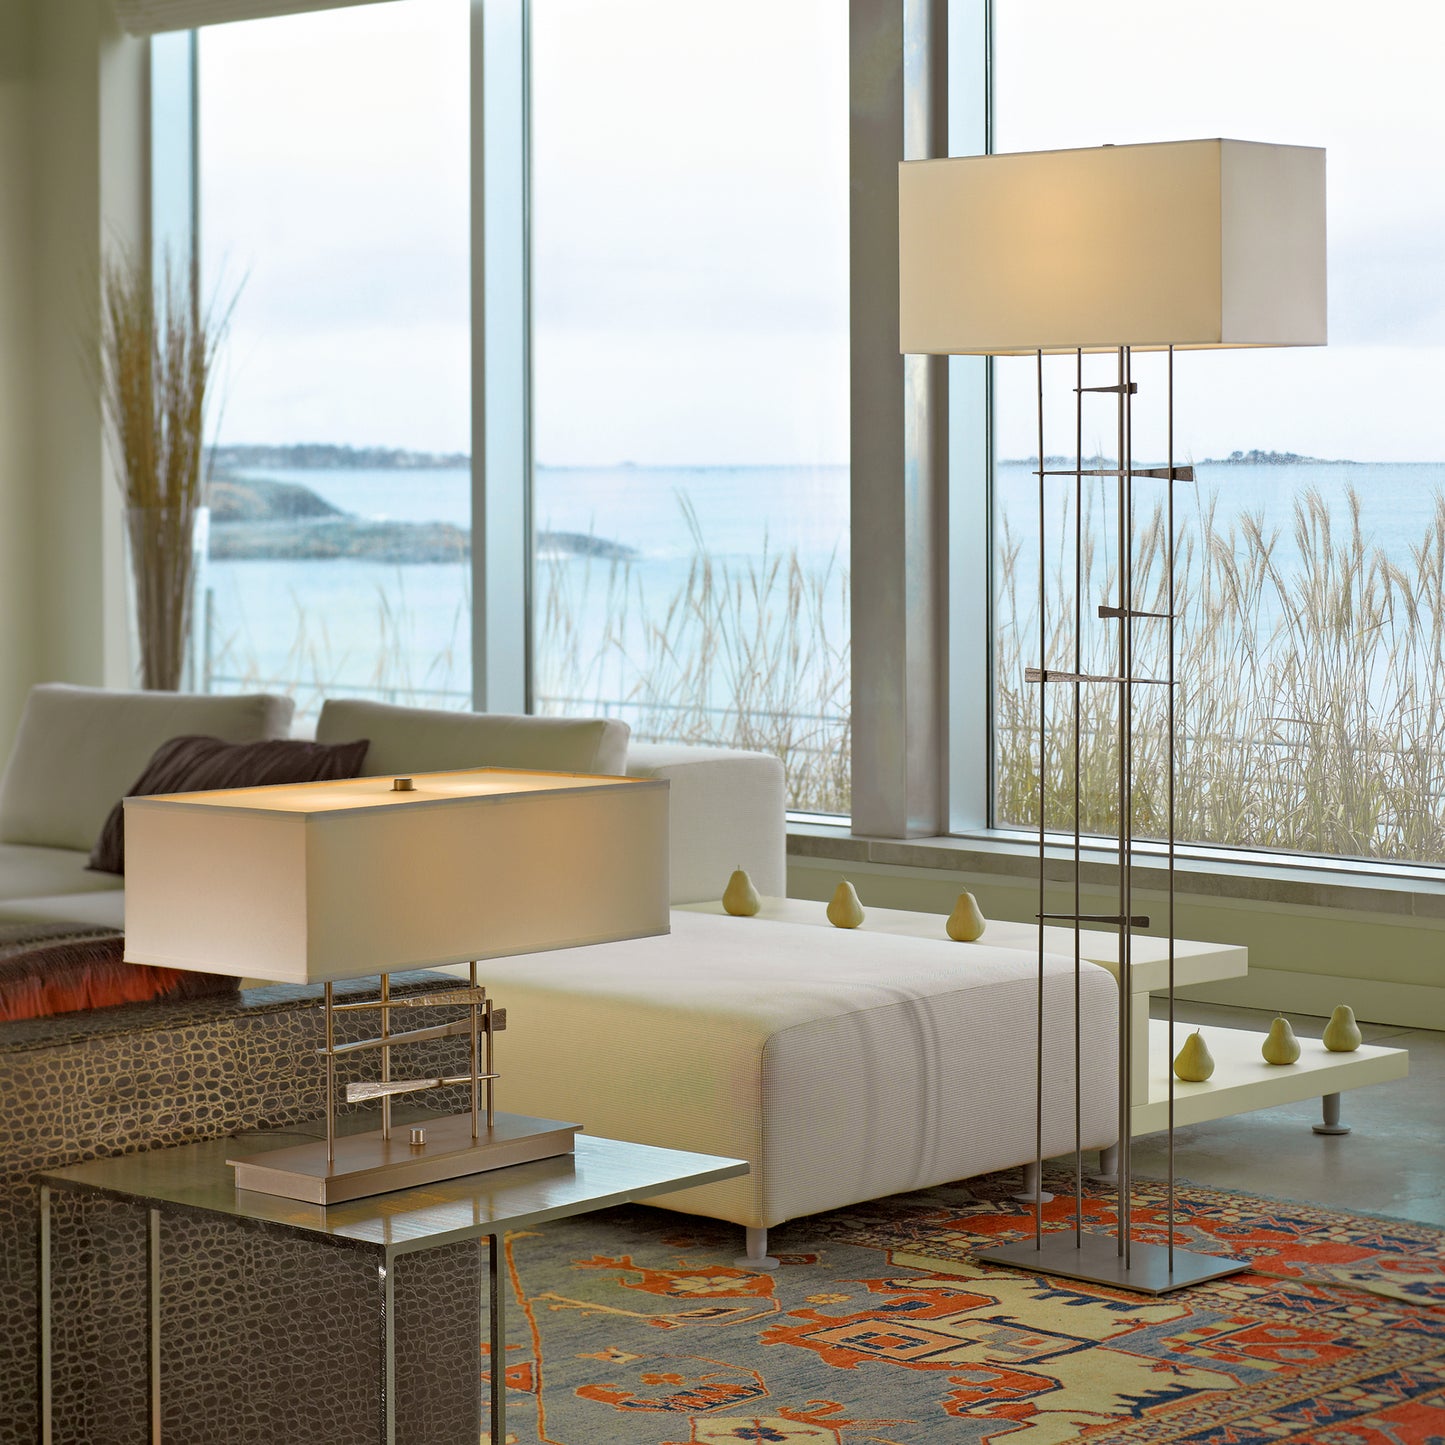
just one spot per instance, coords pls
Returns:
(326, 457)
(1254, 458)
(226, 461)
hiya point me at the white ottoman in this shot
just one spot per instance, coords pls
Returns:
(844, 1066)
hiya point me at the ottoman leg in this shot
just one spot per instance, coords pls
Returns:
(1033, 1185)
(1108, 1165)
(757, 1256)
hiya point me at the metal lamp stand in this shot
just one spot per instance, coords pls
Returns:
(1118, 1260)
(356, 1166)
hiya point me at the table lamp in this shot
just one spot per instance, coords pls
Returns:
(1179, 245)
(319, 882)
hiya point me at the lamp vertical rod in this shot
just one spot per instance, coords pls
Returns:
(1122, 1185)
(1043, 760)
(491, 1069)
(385, 1056)
(472, 1050)
(330, 1074)
(1078, 696)
(1169, 692)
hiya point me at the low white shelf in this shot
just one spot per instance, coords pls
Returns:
(1243, 1081)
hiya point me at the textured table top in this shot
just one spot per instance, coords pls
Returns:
(603, 1172)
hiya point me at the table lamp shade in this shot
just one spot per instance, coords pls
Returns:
(314, 882)
(1207, 243)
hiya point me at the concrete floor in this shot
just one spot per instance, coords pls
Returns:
(1392, 1163)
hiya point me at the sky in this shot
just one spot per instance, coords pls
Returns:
(690, 198)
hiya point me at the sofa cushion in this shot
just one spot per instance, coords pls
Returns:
(78, 749)
(427, 740)
(199, 764)
(104, 909)
(27, 873)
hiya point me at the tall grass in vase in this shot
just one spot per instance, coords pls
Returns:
(157, 357)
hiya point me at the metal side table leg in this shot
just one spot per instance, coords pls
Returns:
(387, 1271)
(1331, 1123)
(153, 1322)
(47, 1365)
(497, 1334)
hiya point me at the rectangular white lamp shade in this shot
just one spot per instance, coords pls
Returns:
(314, 882)
(1205, 243)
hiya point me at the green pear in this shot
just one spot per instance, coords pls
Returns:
(1280, 1045)
(740, 898)
(845, 911)
(965, 924)
(1342, 1034)
(1194, 1063)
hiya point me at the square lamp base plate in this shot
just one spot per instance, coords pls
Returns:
(1096, 1258)
(367, 1164)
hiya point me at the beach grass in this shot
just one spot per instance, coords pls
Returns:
(1311, 667)
(1311, 704)
(750, 655)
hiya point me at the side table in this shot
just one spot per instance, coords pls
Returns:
(195, 1181)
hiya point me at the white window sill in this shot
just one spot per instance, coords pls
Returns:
(1388, 889)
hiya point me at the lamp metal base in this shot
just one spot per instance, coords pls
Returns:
(1096, 1259)
(367, 1164)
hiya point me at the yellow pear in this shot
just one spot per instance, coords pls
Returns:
(1280, 1045)
(740, 898)
(965, 923)
(1342, 1034)
(1194, 1062)
(845, 911)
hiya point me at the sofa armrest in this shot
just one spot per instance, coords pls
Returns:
(728, 810)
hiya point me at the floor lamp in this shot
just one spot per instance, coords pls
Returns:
(1165, 247)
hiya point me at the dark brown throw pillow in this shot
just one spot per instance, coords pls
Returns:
(86, 973)
(201, 764)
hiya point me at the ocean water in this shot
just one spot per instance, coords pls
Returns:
(403, 631)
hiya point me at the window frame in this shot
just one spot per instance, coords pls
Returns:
(932, 779)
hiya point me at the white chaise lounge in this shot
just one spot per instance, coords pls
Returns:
(842, 1065)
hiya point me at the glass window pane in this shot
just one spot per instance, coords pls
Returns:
(690, 502)
(334, 190)
(1312, 647)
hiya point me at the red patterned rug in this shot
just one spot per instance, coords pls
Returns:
(633, 1326)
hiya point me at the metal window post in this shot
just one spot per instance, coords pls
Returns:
(898, 89)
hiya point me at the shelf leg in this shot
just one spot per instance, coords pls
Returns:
(1033, 1178)
(1331, 1123)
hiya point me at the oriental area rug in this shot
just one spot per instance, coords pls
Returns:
(634, 1326)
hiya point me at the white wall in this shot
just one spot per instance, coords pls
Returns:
(91, 143)
(73, 145)
(18, 335)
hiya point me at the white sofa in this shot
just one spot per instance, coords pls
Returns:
(79, 749)
(842, 1065)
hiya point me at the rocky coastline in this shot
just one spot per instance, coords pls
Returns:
(259, 519)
